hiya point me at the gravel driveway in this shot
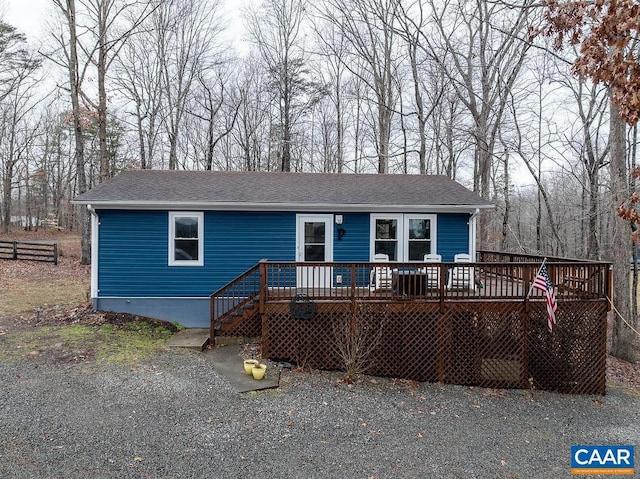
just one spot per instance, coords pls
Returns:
(174, 417)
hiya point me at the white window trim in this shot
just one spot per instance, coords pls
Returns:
(432, 234)
(403, 232)
(372, 232)
(300, 220)
(172, 226)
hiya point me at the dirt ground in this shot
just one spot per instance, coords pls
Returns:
(37, 295)
(38, 298)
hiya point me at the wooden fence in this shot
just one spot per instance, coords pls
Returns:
(15, 250)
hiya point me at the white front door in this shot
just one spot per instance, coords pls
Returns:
(314, 244)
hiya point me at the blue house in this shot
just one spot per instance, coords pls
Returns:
(164, 241)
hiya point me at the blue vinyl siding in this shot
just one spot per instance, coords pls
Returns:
(133, 251)
(236, 241)
(354, 245)
(453, 235)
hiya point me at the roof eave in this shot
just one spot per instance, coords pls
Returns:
(228, 206)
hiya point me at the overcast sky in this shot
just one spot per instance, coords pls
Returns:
(29, 17)
(26, 15)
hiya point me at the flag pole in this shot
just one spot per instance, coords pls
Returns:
(534, 278)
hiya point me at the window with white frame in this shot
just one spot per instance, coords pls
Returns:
(418, 237)
(403, 237)
(186, 238)
(385, 236)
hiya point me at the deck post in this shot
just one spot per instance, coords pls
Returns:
(609, 287)
(212, 329)
(442, 287)
(524, 358)
(261, 301)
(353, 288)
(263, 284)
(441, 346)
(526, 287)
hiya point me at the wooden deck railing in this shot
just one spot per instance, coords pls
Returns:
(489, 256)
(441, 283)
(504, 281)
(236, 294)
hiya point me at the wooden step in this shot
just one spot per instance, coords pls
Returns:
(232, 320)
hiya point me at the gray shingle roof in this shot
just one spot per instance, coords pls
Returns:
(280, 191)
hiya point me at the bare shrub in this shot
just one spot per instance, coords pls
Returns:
(356, 336)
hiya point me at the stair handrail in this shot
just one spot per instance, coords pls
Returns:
(248, 285)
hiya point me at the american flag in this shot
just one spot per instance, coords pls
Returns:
(543, 283)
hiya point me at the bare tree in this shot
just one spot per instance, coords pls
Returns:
(449, 136)
(53, 173)
(187, 38)
(622, 340)
(608, 35)
(219, 107)
(112, 22)
(368, 26)
(412, 23)
(17, 69)
(483, 51)
(69, 45)
(17, 136)
(138, 77)
(333, 49)
(251, 131)
(533, 160)
(278, 32)
(593, 155)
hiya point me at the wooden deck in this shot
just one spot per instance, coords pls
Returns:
(472, 323)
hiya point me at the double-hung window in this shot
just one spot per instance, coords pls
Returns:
(186, 238)
(418, 233)
(403, 237)
(385, 234)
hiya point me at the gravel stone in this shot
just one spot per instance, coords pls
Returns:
(175, 417)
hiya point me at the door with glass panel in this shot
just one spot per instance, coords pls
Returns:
(314, 244)
(419, 237)
(386, 234)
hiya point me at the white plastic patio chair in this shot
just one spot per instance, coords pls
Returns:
(461, 277)
(381, 276)
(432, 272)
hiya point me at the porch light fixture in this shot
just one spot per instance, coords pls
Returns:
(338, 219)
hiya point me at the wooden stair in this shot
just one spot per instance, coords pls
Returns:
(236, 316)
(236, 302)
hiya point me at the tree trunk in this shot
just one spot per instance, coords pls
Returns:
(74, 86)
(141, 147)
(105, 164)
(504, 244)
(622, 338)
(593, 245)
(6, 198)
(285, 118)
